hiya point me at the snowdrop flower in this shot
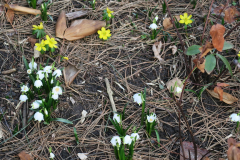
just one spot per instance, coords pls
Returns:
(36, 104)
(32, 65)
(234, 117)
(23, 98)
(48, 69)
(151, 118)
(57, 90)
(52, 155)
(156, 18)
(57, 73)
(40, 74)
(38, 117)
(178, 90)
(116, 141)
(55, 96)
(135, 136)
(45, 111)
(137, 98)
(153, 26)
(127, 140)
(117, 117)
(29, 71)
(38, 83)
(24, 88)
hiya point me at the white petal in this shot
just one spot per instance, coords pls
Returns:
(234, 117)
(82, 156)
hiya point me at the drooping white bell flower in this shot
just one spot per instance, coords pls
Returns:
(32, 65)
(151, 118)
(48, 69)
(117, 117)
(55, 96)
(40, 74)
(156, 18)
(178, 90)
(52, 155)
(23, 98)
(29, 71)
(38, 83)
(234, 117)
(36, 104)
(38, 117)
(116, 141)
(135, 136)
(24, 88)
(45, 111)
(137, 98)
(57, 73)
(127, 140)
(57, 90)
(153, 26)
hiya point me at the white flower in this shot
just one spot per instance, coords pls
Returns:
(57, 73)
(57, 90)
(24, 88)
(45, 111)
(156, 18)
(29, 71)
(127, 140)
(23, 98)
(178, 90)
(82, 156)
(38, 116)
(153, 26)
(32, 66)
(52, 155)
(48, 69)
(55, 96)
(234, 117)
(116, 140)
(38, 83)
(137, 98)
(36, 104)
(135, 135)
(40, 74)
(116, 117)
(151, 118)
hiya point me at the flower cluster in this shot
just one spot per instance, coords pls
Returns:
(107, 14)
(39, 30)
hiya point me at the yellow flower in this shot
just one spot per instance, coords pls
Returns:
(65, 58)
(51, 42)
(109, 12)
(38, 27)
(185, 19)
(239, 54)
(104, 34)
(40, 46)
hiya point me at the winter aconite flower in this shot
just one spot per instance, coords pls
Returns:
(52, 155)
(135, 136)
(153, 26)
(65, 58)
(116, 141)
(29, 71)
(57, 73)
(38, 117)
(38, 83)
(57, 90)
(239, 54)
(117, 117)
(35, 27)
(104, 34)
(137, 98)
(151, 118)
(109, 12)
(32, 65)
(36, 104)
(51, 42)
(40, 74)
(185, 19)
(40, 46)
(23, 98)
(24, 88)
(48, 69)
(234, 117)
(127, 140)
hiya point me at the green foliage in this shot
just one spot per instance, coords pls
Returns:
(93, 4)
(44, 8)
(62, 120)
(143, 96)
(194, 3)
(225, 61)
(227, 45)
(32, 3)
(164, 7)
(210, 63)
(40, 33)
(192, 50)
(203, 89)
(75, 134)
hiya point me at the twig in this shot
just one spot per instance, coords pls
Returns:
(110, 93)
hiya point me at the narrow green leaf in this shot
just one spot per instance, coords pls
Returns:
(192, 50)
(25, 62)
(210, 63)
(225, 61)
(227, 45)
(158, 137)
(75, 134)
(203, 89)
(189, 90)
(62, 120)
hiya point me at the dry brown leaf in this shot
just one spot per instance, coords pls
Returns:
(219, 91)
(219, 9)
(82, 28)
(233, 152)
(174, 49)
(209, 47)
(77, 14)
(10, 15)
(227, 98)
(25, 156)
(167, 24)
(222, 84)
(157, 46)
(230, 14)
(36, 52)
(32, 41)
(70, 73)
(23, 10)
(61, 25)
(217, 32)
(200, 64)
(173, 84)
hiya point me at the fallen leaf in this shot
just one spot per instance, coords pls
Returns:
(82, 156)
(167, 24)
(233, 152)
(219, 91)
(174, 49)
(217, 32)
(77, 14)
(189, 150)
(36, 52)
(173, 84)
(61, 25)
(209, 47)
(227, 98)
(25, 156)
(219, 9)
(70, 73)
(157, 46)
(82, 28)
(10, 15)
(230, 14)
(23, 10)
(84, 114)
(200, 64)
(32, 41)
(222, 84)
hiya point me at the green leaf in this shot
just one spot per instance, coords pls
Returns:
(225, 61)
(25, 62)
(203, 89)
(62, 120)
(192, 50)
(210, 63)
(158, 137)
(227, 45)
(189, 90)
(75, 134)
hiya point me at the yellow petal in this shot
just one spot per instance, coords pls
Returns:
(181, 21)
(99, 31)
(189, 17)
(48, 38)
(189, 21)
(181, 16)
(109, 15)
(185, 15)
(44, 48)
(103, 29)
(105, 37)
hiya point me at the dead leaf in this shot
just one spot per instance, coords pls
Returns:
(233, 152)
(25, 156)
(189, 149)
(36, 52)
(217, 32)
(230, 14)
(219, 9)
(174, 49)
(219, 91)
(200, 64)
(157, 46)
(61, 25)
(173, 84)
(10, 15)
(23, 10)
(227, 98)
(222, 84)
(82, 28)
(82, 156)
(70, 73)
(209, 47)
(77, 14)
(32, 41)
(167, 24)
(84, 114)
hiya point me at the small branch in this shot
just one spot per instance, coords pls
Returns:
(110, 93)
(230, 31)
